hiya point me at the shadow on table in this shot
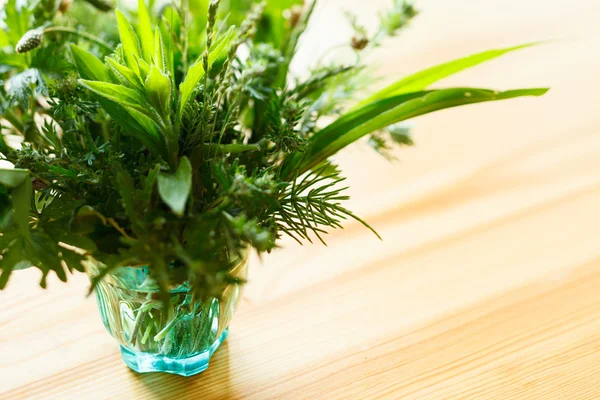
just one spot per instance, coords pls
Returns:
(211, 384)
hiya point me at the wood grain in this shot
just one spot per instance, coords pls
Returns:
(486, 285)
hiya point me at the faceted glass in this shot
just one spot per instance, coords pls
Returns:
(179, 340)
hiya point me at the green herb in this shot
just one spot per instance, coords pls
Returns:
(168, 146)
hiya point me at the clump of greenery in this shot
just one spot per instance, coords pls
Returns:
(185, 140)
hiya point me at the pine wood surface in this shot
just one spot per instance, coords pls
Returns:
(487, 282)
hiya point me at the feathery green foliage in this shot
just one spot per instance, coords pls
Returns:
(183, 139)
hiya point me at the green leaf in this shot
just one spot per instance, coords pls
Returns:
(45, 252)
(175, 189)
(341, 126)
(125, 75)
(119, 94)
(169, 49)
(12, 178)
(144, 69)
(219, 45)
(196, 71)
(421, 80)
(145, 30)
(377, 116)
(150, 129)
(198, 10)
(89, 66)
(158, 90)
(159, 51)
(4, 39)
(129, 40)
(140, 126)
(21, 197)
(13, 60)
(17, 20)
(9, 261)
(7, 239)
(354, 118)
(6, 212)
(194, 74)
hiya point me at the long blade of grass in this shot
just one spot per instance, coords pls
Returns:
(364, 121)
(423, 79)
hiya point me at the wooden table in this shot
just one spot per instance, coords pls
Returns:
(487, 283)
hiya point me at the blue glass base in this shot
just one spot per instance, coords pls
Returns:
(147, 362)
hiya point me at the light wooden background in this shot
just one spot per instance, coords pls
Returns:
(487, 283)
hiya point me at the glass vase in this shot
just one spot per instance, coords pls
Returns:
(179, 340)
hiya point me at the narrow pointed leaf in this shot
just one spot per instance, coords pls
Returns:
(150, 135)
(329, 142)
(218, 47)
(89, 66)
(159, 51)
(168, 46)
(129, 40)
(158, 90)
(421, 80)
(354, 118)
(125, 75)
(144, 69)
(196, 71)
(145, 132)
(119, 94)
(145, 30)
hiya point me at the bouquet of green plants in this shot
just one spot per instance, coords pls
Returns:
(180, 139)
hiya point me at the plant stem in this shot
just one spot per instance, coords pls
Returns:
(138, 324)
(84, 35)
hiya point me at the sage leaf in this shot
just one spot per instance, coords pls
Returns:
(129, 40)
(145, 30)
(119, 94)
(142, 127)
(150, 133)
(89, 66)
(125, 75)
(158, 90)
(144, 69)
(159, 51)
